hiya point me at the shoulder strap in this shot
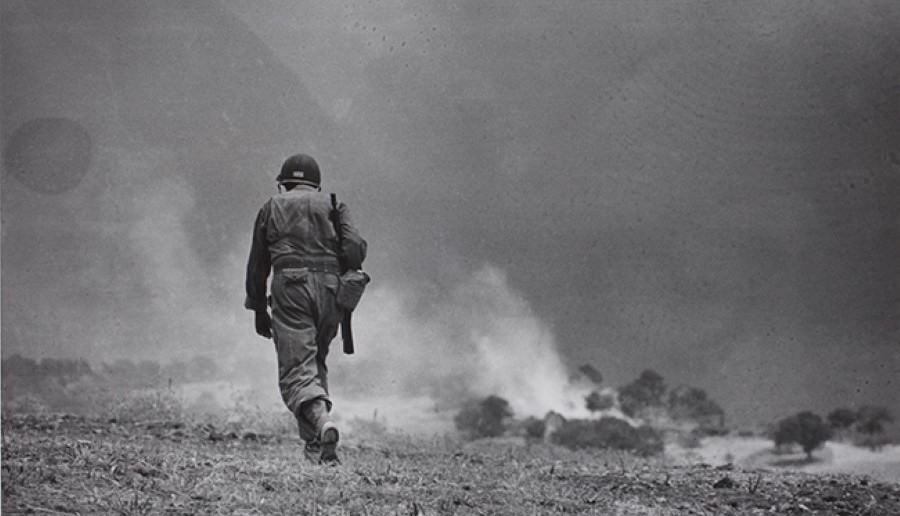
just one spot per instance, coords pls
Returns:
(336, 222)
(346, 325)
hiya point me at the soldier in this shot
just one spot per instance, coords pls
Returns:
(295, 235)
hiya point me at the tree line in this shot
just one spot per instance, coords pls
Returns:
(76, 386)
(864, 425)
(198, 368)
(648, 400)
(645, 399)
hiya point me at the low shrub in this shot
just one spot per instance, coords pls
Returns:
(609, 433)
(534, 428)
(485, 418)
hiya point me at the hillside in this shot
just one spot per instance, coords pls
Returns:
(68, 464)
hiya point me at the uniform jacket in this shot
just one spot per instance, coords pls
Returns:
(297, 224)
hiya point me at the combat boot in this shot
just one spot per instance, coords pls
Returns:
(329, 439)
(316, 412)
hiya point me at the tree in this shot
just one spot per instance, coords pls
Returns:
(805, 428)
(592, 374)
(841, 419)
(692, 403)
(597, 401)
(784, 432)
(485, 418)
(646, 391)
(17, 365)
(534, 428)
(870, 420)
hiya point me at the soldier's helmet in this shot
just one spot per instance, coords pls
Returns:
(300, 168)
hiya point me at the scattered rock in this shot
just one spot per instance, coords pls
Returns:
(725, 482)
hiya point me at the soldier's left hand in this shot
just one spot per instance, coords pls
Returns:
(263, 324)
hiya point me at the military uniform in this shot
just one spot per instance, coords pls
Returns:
(294, 235)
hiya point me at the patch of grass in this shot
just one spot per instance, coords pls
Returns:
(144, 404)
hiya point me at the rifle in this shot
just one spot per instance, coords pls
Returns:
(346, 323)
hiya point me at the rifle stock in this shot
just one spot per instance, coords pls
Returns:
(347, 333)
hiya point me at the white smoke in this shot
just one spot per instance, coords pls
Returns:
(166, 301)
(185, 314)
(479, 338)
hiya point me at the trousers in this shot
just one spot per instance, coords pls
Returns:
(305, 319)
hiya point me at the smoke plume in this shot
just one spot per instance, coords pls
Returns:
(478, 338)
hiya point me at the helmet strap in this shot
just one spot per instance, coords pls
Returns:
(316, 186)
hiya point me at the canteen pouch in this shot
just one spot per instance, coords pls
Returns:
(353, 284)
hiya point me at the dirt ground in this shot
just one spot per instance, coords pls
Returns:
(72, 465)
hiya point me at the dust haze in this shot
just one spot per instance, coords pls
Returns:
(707, 190)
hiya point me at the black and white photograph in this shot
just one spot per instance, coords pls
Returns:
(487, 257)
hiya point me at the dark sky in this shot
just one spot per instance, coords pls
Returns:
(705, 189)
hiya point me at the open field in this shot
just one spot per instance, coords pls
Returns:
(67, 464)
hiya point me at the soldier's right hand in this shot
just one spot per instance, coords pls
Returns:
(263, 324)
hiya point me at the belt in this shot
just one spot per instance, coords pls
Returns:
(318, 264)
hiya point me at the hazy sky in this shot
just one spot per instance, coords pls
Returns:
(708, 189)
